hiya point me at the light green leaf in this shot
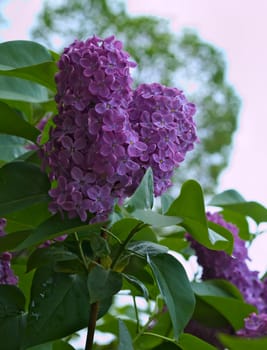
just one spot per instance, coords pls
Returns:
(189, 206)
(240, 343)
(125, 340)
(17, 89)
(190, 342)
(11, 147)
(155, 219)
(175, 289)
(233, 201)
(28, 60)
(145, 248)
(143, 196)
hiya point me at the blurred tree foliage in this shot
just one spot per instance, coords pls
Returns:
(183, 60)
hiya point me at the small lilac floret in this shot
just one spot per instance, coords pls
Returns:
(7, 275)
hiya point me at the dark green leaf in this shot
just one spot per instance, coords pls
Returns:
(17, 89)
(21, 185)
(59, 306)
(239, 343)
(123, 227)
(174, 288)
(190, 342)
(11, 241)
(28, 218)
(48, 256)
(13, 124)
(232, 309)
(53, 227)
(145, 248)
(233, 201)
(125, 340)
(12, 304)
(102, 283)
(62, 345)
(190, 207)
(143, 196)
(155, 219)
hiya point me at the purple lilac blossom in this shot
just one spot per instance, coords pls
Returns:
(88, 153)
(218, 264)
(7, 275)
(163, 119)
(105, 135)
(255, 326)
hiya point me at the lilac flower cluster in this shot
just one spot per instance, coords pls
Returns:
(6, 273)
(163, 119)
(100, 145)
(218, 264)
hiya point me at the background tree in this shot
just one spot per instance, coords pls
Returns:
(182, 60)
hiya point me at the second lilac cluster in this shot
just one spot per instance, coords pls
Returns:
(163, 119)
(218, 264)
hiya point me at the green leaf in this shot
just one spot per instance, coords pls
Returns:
(125, 340)
(11, 241)
(239, 343)
(13, 124)
(103, 284)
(47, 256)
(174, 243)
(28, 218)
(11, 147)
(166, 201)
(12, 304)
(56, 226)
(21, 185)
(232, 200)
(240, 221)
(137, 284)
(190, 342)
(190, 207)
(143, 196)
(123, 227)
(155, 219)
(145, 248)
(175, 289)
(17, 89)
(28, 60)
(62, 345)
(232, 309)
(59, 306)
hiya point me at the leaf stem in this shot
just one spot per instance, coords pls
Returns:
(137, 228)
(81, 251)
(91, 326)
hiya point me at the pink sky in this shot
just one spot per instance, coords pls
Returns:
(239, 29)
